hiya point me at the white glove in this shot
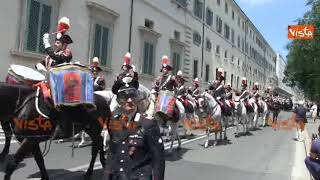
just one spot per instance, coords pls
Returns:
(41, 67)
(218, 98)
(45, 40)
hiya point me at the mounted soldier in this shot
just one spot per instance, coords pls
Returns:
(166, 81)
(136, 149)
(181, 92)
(127, 70)
(60, 53)
(99, 83)
(229, 99)
(245, 94)
(219, 93)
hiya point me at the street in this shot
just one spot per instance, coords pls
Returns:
(266, 155)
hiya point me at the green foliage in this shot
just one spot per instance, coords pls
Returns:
(303, 68)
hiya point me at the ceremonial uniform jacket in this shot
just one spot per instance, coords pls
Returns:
(55, 58)
(165, 82)
(219, 92)
(244, 95)
(98, 79)
(136, 150)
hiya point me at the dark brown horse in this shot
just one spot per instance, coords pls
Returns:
(31, 127)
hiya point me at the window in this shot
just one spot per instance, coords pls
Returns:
(226, 8)
(207, 72)
(218, 50)
(242, 25)
(148, 58)
(101, 43)
(232, 15)
(238, 62)
(226, 31)
(239, 21)
(232, 59)
(239, 44)
(232, 36)
(39, 21)
(237, 82)
(225, 77)
(196, 38)
(226, 54)
(198, 8)
(177, 35)
(176, 62)
(218, 2)
(183, 3)
(195, 69)
(208, 45)
(218, 24)
(242, 45)
(148, 23)
(231, 80)
(209, 17)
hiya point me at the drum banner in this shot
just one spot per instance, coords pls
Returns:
(71, 86)
(165, 103)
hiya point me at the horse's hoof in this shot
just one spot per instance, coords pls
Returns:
(237, 135)
(206, 145)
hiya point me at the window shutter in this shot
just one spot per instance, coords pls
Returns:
(150, 59)
(104, 49)
(45, 24)
(97, 40)
(32, 30)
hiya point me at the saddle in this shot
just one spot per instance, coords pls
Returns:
(248, 106)
(226, 110)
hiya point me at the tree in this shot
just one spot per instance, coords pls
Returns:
(303, 68)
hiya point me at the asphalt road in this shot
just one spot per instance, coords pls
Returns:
(266, 155)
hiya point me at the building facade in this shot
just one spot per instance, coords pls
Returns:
(199, 35)
(282, 88)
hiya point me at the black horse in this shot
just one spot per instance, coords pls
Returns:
(11, 96)
(31, 127)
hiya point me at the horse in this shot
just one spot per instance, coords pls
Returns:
(11, 96)
(241, 116)
(28, 130)
(210, 111)
(253, 116)
(171, 132)
(264, 113)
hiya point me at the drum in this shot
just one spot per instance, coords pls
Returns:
(23, 75)
(71, 85)
(165, 103)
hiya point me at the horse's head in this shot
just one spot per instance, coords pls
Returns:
(238, 103)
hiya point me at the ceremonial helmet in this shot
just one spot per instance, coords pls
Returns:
(255, 86)
(244, 82)
(165, 63)
(195, 81)
(220, 74)
(126, 61)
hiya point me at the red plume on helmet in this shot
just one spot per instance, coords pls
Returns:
(127, 61)
(63, 25)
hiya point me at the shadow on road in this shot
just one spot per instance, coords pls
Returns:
(69, 175)
(5, 161)
(176, 154)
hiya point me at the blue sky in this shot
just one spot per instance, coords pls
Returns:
(272, 17)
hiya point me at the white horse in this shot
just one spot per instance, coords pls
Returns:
(171, 132)
(209, 108)
(241, 116)
(265, 112)
(253, 116)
